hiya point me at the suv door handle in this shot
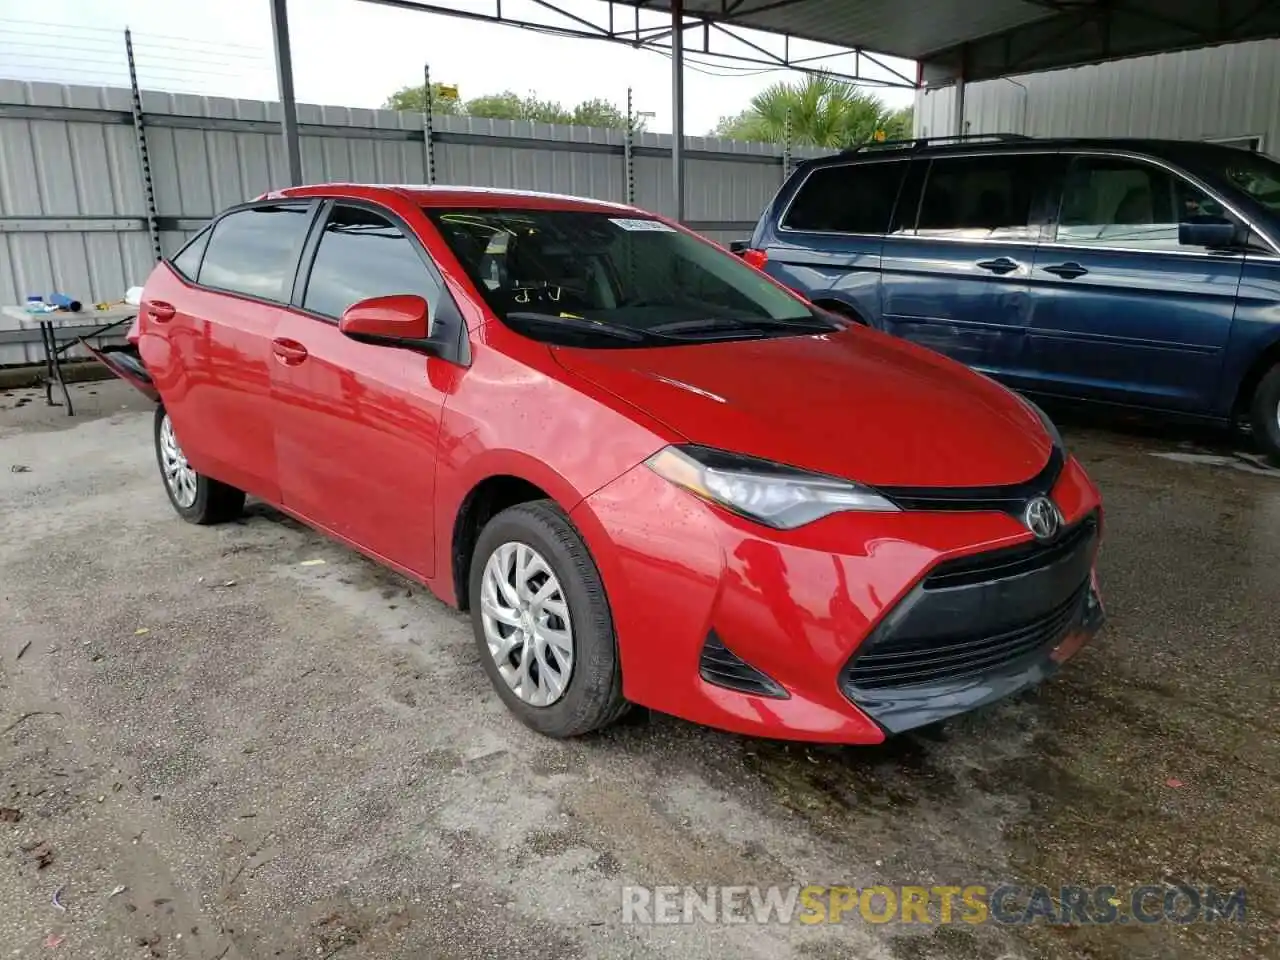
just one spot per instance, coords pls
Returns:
(998, 265)
(1067, 271)
(160, 312)
(289, 352)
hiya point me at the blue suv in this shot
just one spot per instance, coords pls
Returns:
(1142, 273)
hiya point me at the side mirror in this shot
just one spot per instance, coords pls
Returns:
(403, 319)
(739, 246)
(1212, 232)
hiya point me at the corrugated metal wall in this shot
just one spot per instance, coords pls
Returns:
(72, 208)
(1214, 93)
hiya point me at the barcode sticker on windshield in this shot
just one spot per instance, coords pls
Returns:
(640, 226)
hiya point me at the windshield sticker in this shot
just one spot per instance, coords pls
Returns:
(640, 226)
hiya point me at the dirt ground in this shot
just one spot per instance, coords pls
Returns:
(216, 747)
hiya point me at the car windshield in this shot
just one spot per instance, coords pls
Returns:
(1256, 175)
(615, 280)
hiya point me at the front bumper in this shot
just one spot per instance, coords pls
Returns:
(849, 629)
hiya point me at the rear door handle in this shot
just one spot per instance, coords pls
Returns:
(998, 265)
(289, 352)
(160, 312)
(1067, 271)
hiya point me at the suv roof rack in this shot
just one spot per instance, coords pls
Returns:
(921, 142)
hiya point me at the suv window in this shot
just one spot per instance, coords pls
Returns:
(363, 254)
(1117, 202)
(980, 198)
(849, 198)
(255, 251)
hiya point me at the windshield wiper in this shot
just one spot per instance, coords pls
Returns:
(577, 323)
(735, 323)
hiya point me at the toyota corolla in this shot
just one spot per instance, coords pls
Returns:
(653, 475)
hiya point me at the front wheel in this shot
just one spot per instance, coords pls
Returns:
(197, 498)
(1265, 414)
(542, 622)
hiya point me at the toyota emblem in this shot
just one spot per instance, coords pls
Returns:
(1043, 519)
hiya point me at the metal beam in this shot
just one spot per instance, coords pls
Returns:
(677, 107)
(614, 29)
(284, 79)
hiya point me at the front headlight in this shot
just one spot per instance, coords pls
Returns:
(769, 493)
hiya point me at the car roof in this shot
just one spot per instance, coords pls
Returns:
(456, 196)
(1173, 150)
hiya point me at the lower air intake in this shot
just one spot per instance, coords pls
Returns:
(724, 668)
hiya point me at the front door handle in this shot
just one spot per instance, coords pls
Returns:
(289, 352)
(160, 312)
(1000, 265)
(1067, 271)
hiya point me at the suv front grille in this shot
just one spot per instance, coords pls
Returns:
(905, 661)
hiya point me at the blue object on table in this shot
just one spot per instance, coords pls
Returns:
(63, 302)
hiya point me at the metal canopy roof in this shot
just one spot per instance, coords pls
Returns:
(980, 39)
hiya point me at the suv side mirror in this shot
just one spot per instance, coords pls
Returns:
(1212, 232)
(399, 320)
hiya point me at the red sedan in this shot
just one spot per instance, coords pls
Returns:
(653, 475)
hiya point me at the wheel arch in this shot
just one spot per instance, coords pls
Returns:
(492, 486)
(843, 308)
(1268, 357)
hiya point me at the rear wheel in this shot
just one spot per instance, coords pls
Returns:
(542, 622)
(197, 498)
(1265, 414)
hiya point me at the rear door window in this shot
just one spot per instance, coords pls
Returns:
(982, 198)
(363, 254)
(255, 251)
(1127, 204)
(849, 198)
(187, 261)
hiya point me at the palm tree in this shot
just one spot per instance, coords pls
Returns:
(825, 112)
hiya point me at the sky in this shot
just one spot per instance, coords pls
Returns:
(353, 53)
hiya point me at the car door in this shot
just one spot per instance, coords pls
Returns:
(828, 240)
(956, 263)
(208, 345)
(357, 424)
(1125, 311)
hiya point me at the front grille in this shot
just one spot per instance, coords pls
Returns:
(724, 668)
(905, 661)
(1011, 561)
(1010, 498)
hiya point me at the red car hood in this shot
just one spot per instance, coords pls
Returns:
(855, 404)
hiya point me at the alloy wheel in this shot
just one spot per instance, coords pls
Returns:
(526, 623)
(178, 475)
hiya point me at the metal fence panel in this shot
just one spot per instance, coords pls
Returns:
(72, 200)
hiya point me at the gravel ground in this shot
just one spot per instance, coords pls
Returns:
(220, 748)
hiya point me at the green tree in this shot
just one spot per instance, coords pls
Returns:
(824, 112)
(598, 112)
(509, 105)
(411, 98)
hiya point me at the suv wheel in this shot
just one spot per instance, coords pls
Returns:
(197, 498)
(542, 622)
(1265, 414)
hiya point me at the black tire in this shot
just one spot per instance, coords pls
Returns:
(214, 501)
(1265, 414)
(592, 698)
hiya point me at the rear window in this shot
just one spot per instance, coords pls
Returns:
(850, 198)
(255, 251)
(187, 261)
